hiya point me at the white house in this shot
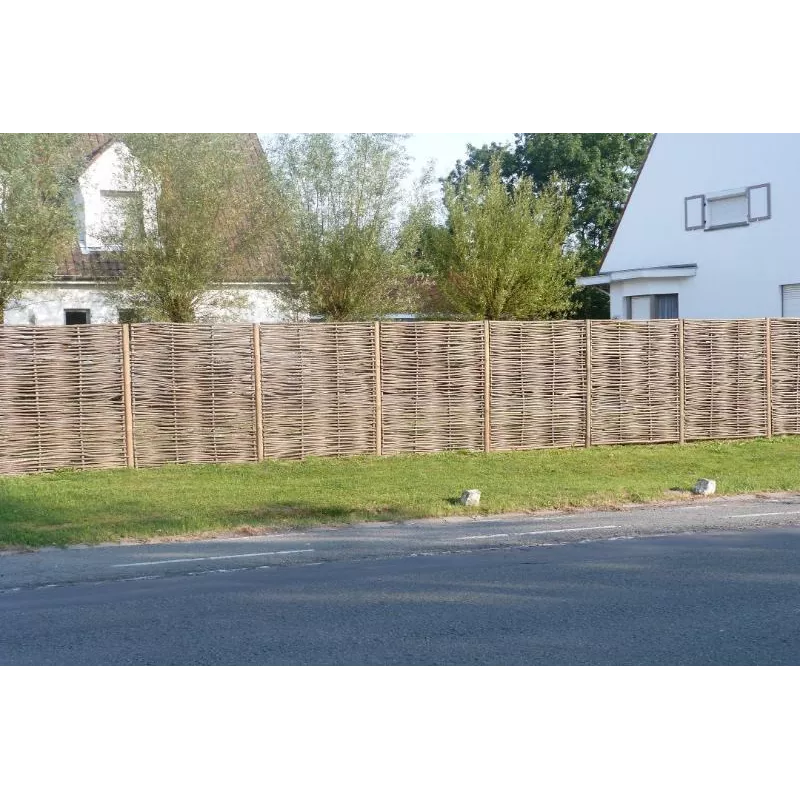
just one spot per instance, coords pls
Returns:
(710, 230)
(82, 290)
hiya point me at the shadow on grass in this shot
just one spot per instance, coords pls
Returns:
(301, 515)
(30, 525)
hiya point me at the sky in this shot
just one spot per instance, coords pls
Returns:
(447, 148)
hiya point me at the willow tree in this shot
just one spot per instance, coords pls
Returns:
(38, 175)
(501, 254)
(342, 260)
(204, 213)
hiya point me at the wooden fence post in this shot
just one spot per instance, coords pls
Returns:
(588, 383)
(769, 377)
(258, 392)
(127, 395)
(681, 386)
(487, 389)
(378, 391)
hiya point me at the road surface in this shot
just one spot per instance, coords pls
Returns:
(713, 582)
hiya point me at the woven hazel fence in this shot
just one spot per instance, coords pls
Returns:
(726, 379)
(785, 370)
(538, 384)
(432, 377)
(143, 395)
(318, 389)
(635, 382)
(192, 393)
(61, 398)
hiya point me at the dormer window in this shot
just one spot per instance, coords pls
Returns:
(732, 208)
(120, 209)
(111, 197)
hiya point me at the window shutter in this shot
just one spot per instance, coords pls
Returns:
(791, 300)
(695, 212)
(758, 202)
(641, 307)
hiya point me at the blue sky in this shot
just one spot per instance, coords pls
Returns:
(447, 148)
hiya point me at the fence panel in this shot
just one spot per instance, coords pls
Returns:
(538, 379)
(725, 374)
(635, 382)
(785, 335)
(61, 398)
(318, 389)
(193, 393)
(432, 381)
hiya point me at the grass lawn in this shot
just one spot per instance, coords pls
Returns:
(68, 507)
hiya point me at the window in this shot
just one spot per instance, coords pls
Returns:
(729, 209)
(726, 210)
(120, 209)
(77, 316)
(666, 306)
(790, 300)
(651, 306)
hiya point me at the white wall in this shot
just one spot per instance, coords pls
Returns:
(740, 270)
(46, 306)
(108, 172)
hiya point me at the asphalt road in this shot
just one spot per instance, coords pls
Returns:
(708, 583)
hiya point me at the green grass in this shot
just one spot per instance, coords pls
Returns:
(69, 507)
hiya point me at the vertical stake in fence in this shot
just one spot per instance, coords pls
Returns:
(588, 383)
(378, 392)
(127, 395)
(769, 377)
(487, 389)
(258, 393)
(681, 387)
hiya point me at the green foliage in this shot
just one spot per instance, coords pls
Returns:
(501, 255)
(209, 214)
(597, 171)
(341, 257)
(38, 174)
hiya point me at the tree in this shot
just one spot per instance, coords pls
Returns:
(343, 259)
(207, 212)
(501, 255)
(597, 169)
(38, 174)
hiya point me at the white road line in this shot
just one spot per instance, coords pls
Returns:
(567, 530)
(764, 514)
(213, 558)
(535, 533)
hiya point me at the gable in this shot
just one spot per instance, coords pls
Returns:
(693, 187)
(103, 154)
